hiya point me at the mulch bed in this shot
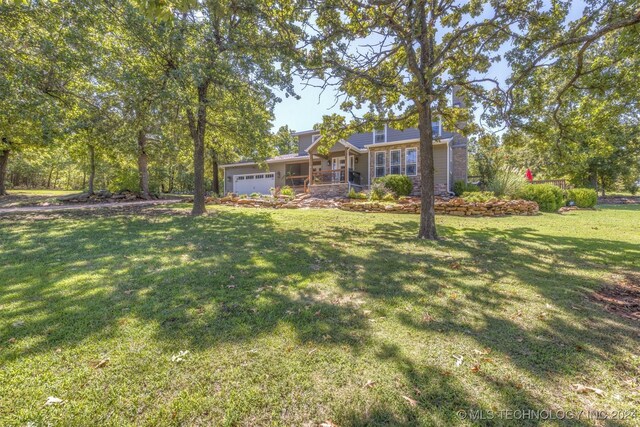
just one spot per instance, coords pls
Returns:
(622, 297)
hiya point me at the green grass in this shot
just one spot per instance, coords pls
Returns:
(286, 315)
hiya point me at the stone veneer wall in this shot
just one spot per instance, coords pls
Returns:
(440, 161)
(459, 159)
(329, 190)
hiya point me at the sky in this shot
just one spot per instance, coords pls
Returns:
(304, 113)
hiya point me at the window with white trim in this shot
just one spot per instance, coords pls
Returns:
(380, 135)
(381, 167)
(435, 127)
(394, 162)
(411, 161)
(314, 138)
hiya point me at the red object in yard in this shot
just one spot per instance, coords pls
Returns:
(529, 175)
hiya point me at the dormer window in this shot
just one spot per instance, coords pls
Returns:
(380, 135)
(314, 138)
(436, 128)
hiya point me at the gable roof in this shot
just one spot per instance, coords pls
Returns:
(346, 144)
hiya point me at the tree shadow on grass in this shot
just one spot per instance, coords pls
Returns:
(201, 281)
(233, 278)
(521, 293)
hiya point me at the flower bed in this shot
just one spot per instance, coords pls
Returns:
(456, 206)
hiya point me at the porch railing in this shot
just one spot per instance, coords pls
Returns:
(557, 182)
(295, 180)
(333, 176)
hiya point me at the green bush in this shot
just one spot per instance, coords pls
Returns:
(353, 194)
(255, 195)
(389, 197)
(548, 197)
(377, 191)
(287, 191)
(461, 187)
(507, 182)
(583, 197)
(479, 197)
(401, 185)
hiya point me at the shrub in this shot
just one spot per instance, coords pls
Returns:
(401, 185)
(507, 182)
(287, 191)
(242, 196)
(462, 187)
(353, 194)
(548, 197)
(583, 197)
(255, 195)
(377, 191)
(479, 197)
(389, 197)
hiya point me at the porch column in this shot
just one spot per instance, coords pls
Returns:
(346, 164)
(310, 169)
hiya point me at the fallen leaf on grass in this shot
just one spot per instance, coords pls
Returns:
(475, 368)
(101, 364)
(459, 360)
(579, 388)
(426, 318)
(486, 351)
(411, 401)
(369, 384)
(180, 357)
(328, 423)
(53, 401)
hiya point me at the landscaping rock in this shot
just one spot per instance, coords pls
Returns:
(411, 205)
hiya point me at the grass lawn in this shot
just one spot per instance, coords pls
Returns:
(33, 197)
(305, 316)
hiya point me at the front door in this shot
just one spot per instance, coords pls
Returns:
(337, 166)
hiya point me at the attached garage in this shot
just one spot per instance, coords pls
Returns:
(254, 183)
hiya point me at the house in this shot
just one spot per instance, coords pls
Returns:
(352, 163)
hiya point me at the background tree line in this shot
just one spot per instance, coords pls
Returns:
(154, 95)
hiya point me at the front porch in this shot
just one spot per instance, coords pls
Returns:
(331, 174)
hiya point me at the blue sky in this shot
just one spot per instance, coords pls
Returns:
(302, 114)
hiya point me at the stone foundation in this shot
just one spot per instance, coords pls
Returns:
(329, 190)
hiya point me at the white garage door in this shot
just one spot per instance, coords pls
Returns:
(254, 183)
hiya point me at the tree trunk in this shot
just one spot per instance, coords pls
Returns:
(215, 181)
(427, 178)
(197, 128)
(142, 164)
(49, 178)
(602, 190)
(4, 160)
(92, 167)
